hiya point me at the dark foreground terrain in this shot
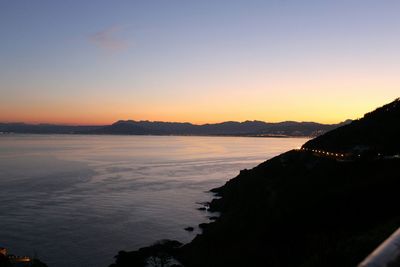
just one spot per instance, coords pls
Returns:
(302, 208)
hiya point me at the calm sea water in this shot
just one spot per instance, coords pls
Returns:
(77, 200)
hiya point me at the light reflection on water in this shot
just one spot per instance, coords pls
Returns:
(77, 200)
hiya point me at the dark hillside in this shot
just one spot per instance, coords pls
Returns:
(306, 209)
(377, 131)
(300, 210)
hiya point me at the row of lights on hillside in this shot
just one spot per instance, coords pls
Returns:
(323, 152)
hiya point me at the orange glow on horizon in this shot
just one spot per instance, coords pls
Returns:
(304, 102)
(321, 113)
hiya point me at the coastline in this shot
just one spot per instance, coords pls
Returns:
(177, 135)
(296, 209)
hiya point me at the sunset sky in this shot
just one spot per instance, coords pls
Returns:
(95, 62)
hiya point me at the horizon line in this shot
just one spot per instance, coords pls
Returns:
(160, 121)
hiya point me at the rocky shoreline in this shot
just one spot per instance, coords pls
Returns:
(296, 209)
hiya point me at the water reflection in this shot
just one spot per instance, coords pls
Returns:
(77, 200)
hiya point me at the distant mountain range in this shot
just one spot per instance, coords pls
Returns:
(44, 128)
(229, 128)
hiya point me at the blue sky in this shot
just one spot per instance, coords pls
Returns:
(198, 61)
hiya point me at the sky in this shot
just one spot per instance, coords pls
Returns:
(96, 62)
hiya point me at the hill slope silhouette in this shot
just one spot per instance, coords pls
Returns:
(303, 209)
(378, 130)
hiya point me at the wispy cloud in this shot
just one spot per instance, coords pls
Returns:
(107, 40)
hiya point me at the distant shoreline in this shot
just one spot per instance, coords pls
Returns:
(231, 128)
(185, 135)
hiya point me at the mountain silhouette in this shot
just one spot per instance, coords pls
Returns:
(131, 127)
(255, 128)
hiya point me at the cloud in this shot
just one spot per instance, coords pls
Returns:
(107, 40)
